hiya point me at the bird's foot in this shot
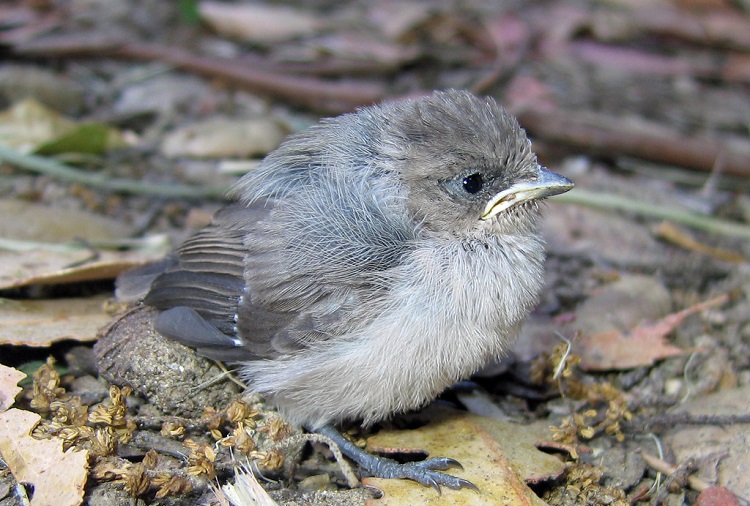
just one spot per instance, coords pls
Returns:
(425, 472)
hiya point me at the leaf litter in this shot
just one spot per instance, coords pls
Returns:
(500, 458)
(58, 476)
(617, 86)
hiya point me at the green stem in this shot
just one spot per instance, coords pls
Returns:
(42, 165)
(682, 216)
(47, 166)
(156, 243)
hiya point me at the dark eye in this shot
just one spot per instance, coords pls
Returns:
(473, 183)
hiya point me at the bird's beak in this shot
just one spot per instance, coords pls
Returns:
(544, 184)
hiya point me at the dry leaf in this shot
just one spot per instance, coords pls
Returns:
(362, 46)
(397, 20)
(51, 88)
(258, 23)
(9, 388)
(52, 264)
(37, 222)
(644, 345)
(58, 477)
(51, 268)
(614, 350)
(42, 322)
(29, 126)
(721, 452)
(717, 496)
(50, 245)
(498, 457)
(615, 238)
(622, 304)
(223, 137)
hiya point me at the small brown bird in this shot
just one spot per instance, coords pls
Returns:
(370, 262)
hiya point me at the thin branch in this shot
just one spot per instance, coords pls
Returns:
(670, 420)
(669, 469)
(324, 95)
(616, 136)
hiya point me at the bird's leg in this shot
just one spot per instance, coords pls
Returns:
(426, 472)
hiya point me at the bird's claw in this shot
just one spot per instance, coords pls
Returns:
(439, 463)
(425, 472)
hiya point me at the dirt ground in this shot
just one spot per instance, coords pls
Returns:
(635, 366)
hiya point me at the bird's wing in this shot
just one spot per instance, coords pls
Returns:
(269, 277)
(200, 290)
(312, 267)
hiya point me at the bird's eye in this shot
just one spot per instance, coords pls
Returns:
(473, 183)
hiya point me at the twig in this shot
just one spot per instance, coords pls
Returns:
(615, 136)
(719, 28)
(230, 375)
(665, 467)
(668, 232)
(339, 97)
(672, 419)
(564, 359)
(344, 466)
(156, 422)
(635, 61)
(47, 166)
(679, 175)
(619, 203)
(328, 96)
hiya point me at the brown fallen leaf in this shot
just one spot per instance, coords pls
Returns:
(643, 345)
(53, 264)
(500, 458)
(58, 477)
(43, 322)
(51, 88)
(28, 126)
(52, 245)
(259, 23)
(9, 378)
(371, 51)
(224, 137)
(717, 496)
(55, 224)
(721, 452)
(398, 21)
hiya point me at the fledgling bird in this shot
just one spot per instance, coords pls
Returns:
(370, 262)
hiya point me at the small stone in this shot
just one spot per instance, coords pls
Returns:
(170, 375)
(316, 482)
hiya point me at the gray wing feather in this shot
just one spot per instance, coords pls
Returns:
(296, 259)
(311, 268)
